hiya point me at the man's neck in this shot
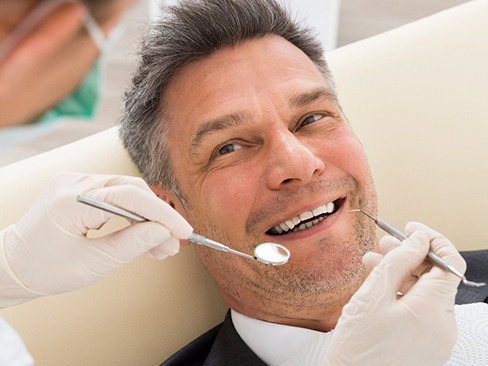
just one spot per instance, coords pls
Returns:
(321, 319)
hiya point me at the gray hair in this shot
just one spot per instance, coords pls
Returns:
(187, 32)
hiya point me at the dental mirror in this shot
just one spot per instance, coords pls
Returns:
(268, 253)
(272, 253)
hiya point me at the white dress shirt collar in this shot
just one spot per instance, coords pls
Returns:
(273, 343)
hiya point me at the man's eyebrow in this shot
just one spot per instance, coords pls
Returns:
(217, 124)
(238, 118)
(302, 99)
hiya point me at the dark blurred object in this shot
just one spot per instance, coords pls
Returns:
(477, 270)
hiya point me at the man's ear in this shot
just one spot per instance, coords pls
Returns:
(164, 194)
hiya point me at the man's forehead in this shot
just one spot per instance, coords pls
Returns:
(226, 81)
(264, 50)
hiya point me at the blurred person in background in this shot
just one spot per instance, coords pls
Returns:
(49, 56)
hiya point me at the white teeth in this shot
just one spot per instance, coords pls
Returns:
(290, 224)
(293, 224)
(306, 215)
(320, 210)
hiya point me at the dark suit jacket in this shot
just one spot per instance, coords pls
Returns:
(477, 271)
(222, 346)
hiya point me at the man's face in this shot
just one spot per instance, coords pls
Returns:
(259, 143)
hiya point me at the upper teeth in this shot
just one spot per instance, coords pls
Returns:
(295, 223)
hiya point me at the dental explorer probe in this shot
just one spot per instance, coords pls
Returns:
(434, 258)
(268, 253)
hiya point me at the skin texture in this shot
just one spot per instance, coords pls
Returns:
(257, 137)
(51, 61)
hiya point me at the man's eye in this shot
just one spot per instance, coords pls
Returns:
(226, 149)
(312, 118)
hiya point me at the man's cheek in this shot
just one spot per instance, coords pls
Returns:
(352, 158)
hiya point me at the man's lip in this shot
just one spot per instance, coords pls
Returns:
(314, 221)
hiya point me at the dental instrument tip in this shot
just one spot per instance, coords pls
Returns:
(365, 213)
(472, 284)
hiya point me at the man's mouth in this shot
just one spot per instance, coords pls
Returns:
(306, 219)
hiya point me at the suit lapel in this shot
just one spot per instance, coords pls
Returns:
(230, 350)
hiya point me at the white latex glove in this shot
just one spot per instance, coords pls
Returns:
(380, 327)
(47, 251)
(12, 349)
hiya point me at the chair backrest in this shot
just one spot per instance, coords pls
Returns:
(415, 95)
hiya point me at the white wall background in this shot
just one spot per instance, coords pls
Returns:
(323, 15)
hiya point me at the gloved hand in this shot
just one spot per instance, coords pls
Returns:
(13, 351)
(381, 327)
(47, 251)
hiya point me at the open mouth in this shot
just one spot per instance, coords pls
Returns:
(306, 219)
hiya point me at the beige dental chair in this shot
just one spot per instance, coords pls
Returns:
(417, 98)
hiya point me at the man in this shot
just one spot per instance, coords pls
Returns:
(225, 155)
(234, 121)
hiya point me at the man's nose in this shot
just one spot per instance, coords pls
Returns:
(291, 161)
